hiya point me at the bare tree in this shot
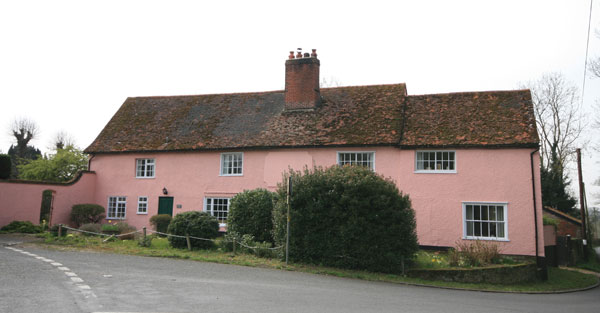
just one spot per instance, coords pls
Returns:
(24, 130)
(62, 140)
(559, 119)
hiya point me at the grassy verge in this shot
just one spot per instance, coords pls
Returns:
(559, 280)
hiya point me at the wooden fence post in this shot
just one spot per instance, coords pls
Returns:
(144, 229)
(59, 230)
(234, 245)
(187, 238)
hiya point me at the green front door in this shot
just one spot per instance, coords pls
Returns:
(165, 205)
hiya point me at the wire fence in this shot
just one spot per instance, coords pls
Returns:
(144, 230)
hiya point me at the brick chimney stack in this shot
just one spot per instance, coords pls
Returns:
(302, 81)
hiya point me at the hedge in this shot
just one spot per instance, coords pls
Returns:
(347, 217)
(86, 213)
(250, 212)
(5, 166)
(196, 224)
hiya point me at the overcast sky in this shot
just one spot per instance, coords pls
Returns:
(69, 65)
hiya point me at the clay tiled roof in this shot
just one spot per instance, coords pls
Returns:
(347, 116)
(490, 118)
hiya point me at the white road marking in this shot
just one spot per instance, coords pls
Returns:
(77, 279)
(62, 268)
(48, 260)
(71, 274)
(56, 264)
(85, 287)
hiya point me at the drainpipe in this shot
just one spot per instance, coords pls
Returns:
(90, 162)
(541, 264)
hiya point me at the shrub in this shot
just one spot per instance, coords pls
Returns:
(196, 224)
(21, 227)
(87, 213)
(550, 221)
(475, 253)
(161, 222)
(346, 217)
(125, 228)
(94, 228)
(110, 228)
(250, 212)
(5, 166)
(145, 241)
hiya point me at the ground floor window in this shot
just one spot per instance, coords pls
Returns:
(142, 205)
(485, 220)
(217, 207)
(116, 207)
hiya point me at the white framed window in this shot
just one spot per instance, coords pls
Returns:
(217, 207)
(435, 162)
(116, 207)
(361, 158)
(144, 168)
(483, 220)
(142, 207)
(232, 164)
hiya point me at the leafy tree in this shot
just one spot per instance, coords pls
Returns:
(554, 191)
(59, 167)
(5, 166)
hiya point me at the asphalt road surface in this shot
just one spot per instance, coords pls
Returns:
(39, 280)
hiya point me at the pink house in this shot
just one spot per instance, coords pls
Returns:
(468, 160)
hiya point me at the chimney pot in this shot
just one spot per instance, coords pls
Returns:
(299, 55)
(314, 53)
(291, 55)
(306, 54)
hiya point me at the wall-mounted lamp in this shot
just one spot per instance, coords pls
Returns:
(165, 191)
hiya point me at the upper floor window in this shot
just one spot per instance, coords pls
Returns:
(436, 162)
(217, 207)
(232, 164)
(485, 221)
(116, 207)
(366, 159)
(144, 168)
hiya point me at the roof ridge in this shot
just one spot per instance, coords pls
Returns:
(210, 94)
(470, 92)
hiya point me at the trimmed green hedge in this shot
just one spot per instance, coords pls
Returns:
(161, 222)
(250, 212)
(196, 224)
(498, 274)
(347, 217)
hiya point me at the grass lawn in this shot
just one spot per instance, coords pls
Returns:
(559, 279)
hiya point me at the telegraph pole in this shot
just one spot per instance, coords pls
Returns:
(582, 200)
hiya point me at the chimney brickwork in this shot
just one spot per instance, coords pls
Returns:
(302, 81)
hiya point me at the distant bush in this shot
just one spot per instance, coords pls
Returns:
(21, 227)
(347, 217)
(54, 231)
(250, 212)
(91, 227)
(196, 224)
(86, 213)
(5, 166)
(161, 222)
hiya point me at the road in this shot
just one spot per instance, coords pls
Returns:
(39, 280)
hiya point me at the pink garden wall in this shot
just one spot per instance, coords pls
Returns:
(21, 200)
(490, 175)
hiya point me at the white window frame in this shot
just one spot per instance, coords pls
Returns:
(339, 153)
(223, 169)
(144, 203)
(149, 164)
(488, 221)
(209, 208)
(115, 210)
(435, 171)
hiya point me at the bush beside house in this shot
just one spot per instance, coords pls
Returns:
(347, 217)
(250, 213)
(86, 213)
(195, 224)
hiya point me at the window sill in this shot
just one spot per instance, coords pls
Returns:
(435, 172)
(141, 213)
(144, 177)
(231, 175)
(486, 239)
(115, 218)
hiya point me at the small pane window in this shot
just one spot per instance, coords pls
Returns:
(366, 159)
(484, 221)
(116, 207)
(144, 168)
(435, 161)
(142, 205)
(232, 164)
(219, 208)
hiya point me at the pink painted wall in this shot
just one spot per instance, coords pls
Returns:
(492, 175)
(21, 201)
